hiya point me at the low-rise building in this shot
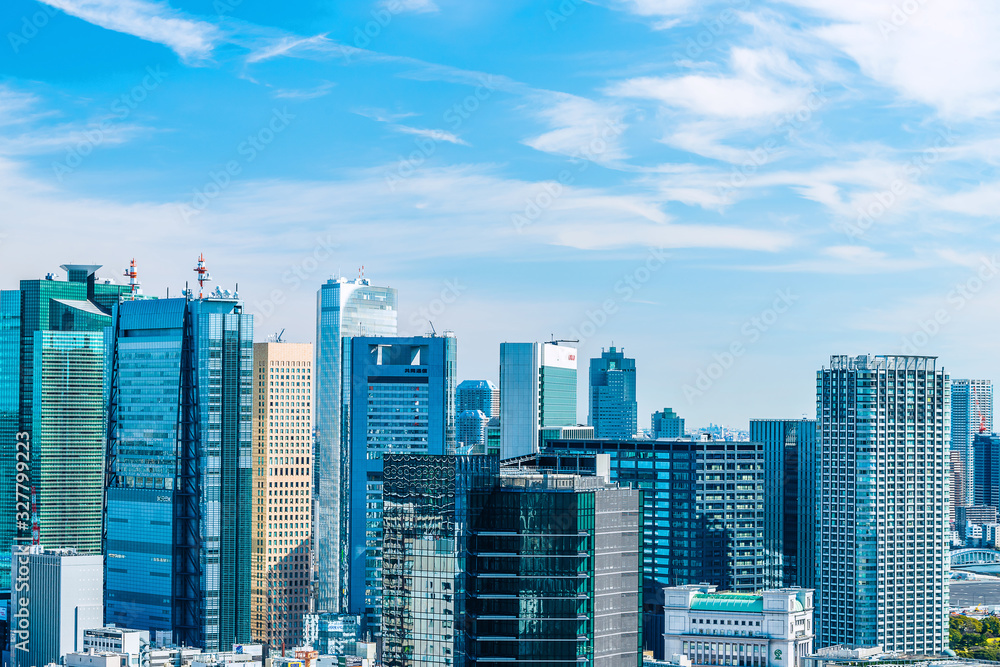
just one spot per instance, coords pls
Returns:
(769, 629)
(124, 641)
(92, 658)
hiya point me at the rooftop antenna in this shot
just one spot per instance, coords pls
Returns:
(203, 275)
(132, 274)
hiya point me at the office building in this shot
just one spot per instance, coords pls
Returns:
(790, 454)
(986, 462)
(344, 308)
(10, 385)
(401, 400)
(471, 431)
(333, 634)
(131, 644)
(613, 408)
(957, 476)
(62, 407)
(493, 437)
(666, 424)
(537, 390)
(971, 414)
(882, 549)
(282, 491)
(58, 595)
(179, 502)
(524, 569)
(977, 514)
(703, 508)
(772, 628)
(480, 395)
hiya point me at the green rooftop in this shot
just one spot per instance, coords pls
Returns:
(742, 602)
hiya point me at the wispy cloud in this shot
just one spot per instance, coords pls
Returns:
(583, 128)
(152, 21)
(316, 92)
(417, 6)
(436, 135)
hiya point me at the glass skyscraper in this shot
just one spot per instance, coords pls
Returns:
(179, 502)
(882, 564)
(480, 395)
(401, 400)
(10, 382)
(703, 509)
(537, 390)
(62, 405)
(613, 408)
(512, 569)
(971, 414)
(344, 308)
(790, 454)
(986, 483)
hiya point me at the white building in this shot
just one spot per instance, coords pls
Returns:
(55, 594)
(770, 629)
(883, 503)
(129, 643)
(92, 658)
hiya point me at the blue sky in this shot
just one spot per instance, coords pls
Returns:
(731, 191)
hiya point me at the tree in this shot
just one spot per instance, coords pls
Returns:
(991, 626)
(954, 637)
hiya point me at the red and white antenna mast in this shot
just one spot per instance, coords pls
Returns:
(203, 275)
(132, 274)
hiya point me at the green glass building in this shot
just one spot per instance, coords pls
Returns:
(61, 401)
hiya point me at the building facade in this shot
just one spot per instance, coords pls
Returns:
(703, 511)
(483, 569)
(179, 501)
(882, 564)
(57, 593)
(790, 449)
(344, 308)
(614, 412)
(480, 395)
(986, 461)
(537, 390)
(773, 628)
(470, 427)
(10, 393)
(128, 643)
(401, 400)
(282, 492)
(971, 414)
(666, 424)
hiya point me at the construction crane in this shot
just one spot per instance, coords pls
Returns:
(555, 340)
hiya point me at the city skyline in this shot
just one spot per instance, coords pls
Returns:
(838, 155)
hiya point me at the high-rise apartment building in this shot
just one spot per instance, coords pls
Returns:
(703, 511)
(971, 414)
(513, 569)
(667, 424)
(282, 491)
(58, 595)
(471, 431)
(613, 408)
(882, 564)
(537, 389)
(344, 308)
(790, 460)
(10, 384)
(62, 403)
(480, 395)
(179, 503)
(401, 400)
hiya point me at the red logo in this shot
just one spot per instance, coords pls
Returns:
(572, 357)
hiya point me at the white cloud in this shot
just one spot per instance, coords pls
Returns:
(435, 135)
(582, 128)
(290, 46)
(943, 54)
(417, 6)
(151, 21)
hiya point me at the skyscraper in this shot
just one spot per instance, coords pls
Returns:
(471, 431)
(883, 469)
(62, 406)
(282, 491)
(667, 424)
(537, 389)
(480, 395)
(401, 400)
(512, 569)
(703, 511)
(790, 449)
(10, 383)
(986, 460)
(613, 408)
(971, 413)
(179, 502)
(344, 308)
